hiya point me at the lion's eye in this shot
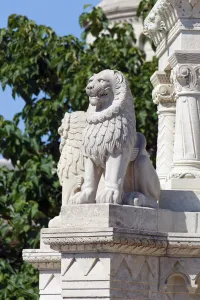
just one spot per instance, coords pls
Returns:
(101, 80)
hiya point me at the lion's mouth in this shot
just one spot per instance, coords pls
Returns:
(99, 95)
(103, 94)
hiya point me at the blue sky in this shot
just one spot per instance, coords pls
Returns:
(61, 15)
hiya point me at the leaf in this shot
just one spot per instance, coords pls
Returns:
(87, 5)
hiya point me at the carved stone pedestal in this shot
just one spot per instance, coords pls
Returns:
(119, 252)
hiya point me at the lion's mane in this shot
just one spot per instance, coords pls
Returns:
(112, 130)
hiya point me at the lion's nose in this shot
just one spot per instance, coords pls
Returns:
(90, 86)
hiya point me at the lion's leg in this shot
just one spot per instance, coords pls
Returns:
(114, 177)
(67, 189)
(89, 188)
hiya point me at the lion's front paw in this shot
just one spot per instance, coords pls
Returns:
(85, 196)
(109, 195)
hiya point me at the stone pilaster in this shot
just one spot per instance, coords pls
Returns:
(185, 74)
(163, 96)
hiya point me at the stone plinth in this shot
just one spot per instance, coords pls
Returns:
(119, 252)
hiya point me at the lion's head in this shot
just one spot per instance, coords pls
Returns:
(102, 88)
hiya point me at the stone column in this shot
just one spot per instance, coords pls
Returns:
(185, 73)
(163, 96)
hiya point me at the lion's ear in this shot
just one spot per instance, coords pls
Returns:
(118, 76)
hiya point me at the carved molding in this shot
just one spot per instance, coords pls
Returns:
(165, 14)
(41, 259)
(125, 241)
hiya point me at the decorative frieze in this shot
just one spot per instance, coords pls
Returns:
(113, 240)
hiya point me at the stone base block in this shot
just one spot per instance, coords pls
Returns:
(124, 216)
(108, 215)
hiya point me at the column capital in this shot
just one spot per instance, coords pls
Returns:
(186, 72)
(163, 91)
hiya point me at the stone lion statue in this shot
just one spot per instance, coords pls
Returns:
(103, 159)
(101, 144)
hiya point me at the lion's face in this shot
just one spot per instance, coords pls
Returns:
(100, 89)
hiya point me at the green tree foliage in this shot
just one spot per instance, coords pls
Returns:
(144, 8)
(50, 73)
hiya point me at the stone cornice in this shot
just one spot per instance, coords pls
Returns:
(42, 259)
(123, 241)
(165, 14)
(120, 10)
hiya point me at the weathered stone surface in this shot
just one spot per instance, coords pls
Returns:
(109, 215)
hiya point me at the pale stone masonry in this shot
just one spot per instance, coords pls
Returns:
(118, 252)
